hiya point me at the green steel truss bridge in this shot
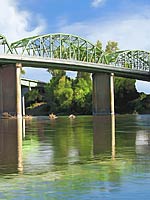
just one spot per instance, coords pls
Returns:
(70, 52)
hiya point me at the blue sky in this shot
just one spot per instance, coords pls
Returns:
(124, 21)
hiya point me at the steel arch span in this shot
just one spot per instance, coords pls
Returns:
(71, 47)
(74, 48)
(133, 59)
(59, 46)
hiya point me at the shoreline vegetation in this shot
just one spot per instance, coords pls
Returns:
(127, 99)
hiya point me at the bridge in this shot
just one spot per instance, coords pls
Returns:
(68, 52)
(28, 84)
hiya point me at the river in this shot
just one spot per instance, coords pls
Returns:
(84, 158)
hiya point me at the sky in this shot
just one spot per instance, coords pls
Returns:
(124, 21)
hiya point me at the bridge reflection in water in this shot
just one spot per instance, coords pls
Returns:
(104, 134)
(11, 146)
(49, 136)
(12, 132)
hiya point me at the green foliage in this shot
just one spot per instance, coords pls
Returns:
(82, 100)
(49, 94)
(142, 104)
(80, 91)
(111, 47)
(64, 94)
(56, 72)
(33, 96)
(99, 44)
(125, 93)
(23, 71)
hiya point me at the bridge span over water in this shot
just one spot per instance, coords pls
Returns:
(69, 52)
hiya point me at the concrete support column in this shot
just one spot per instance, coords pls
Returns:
(24, 90)
(19, 144)
(103, 94)
(113, 136)
(10, 89)
(1, 92)
(112, 96)
(23, 105)
(18, 90)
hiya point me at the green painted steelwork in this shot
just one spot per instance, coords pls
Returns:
(60, 46)
(71, 47)
(4, 46)
(135, 59)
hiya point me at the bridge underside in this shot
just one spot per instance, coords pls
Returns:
(73, 65)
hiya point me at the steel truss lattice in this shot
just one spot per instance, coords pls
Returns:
(135, 59)
(4, 46)
(71, 47)
(59, 46)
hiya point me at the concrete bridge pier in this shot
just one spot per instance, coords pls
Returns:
(24, 90)
(10, 89)
(103, 94)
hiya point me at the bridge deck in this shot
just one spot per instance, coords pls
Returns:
(31, 83)
(72, 65)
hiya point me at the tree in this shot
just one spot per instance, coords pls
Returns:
(82, 93)
(64, 94)
(125, 93)
(33, 96)
(57, 72)
(23, 71)
(99, 44)
(111, 47)
(142, 104)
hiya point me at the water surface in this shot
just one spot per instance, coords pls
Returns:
(83, 158)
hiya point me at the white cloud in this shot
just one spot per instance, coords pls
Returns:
(16, 23)
(131, 32)
(143, 86)
(96, 3)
